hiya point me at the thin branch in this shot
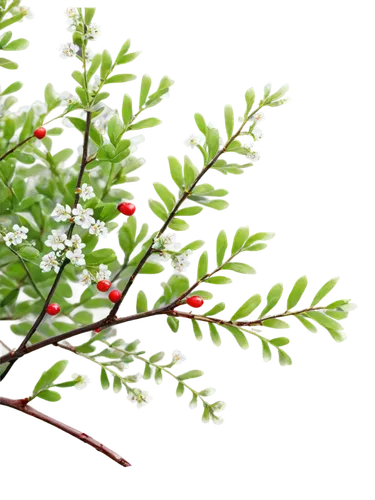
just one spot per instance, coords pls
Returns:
(183, 197)
(16, 147)
(21, 405)
(34, 285)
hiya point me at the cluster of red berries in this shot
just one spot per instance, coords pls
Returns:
(103, 286)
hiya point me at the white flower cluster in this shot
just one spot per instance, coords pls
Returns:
(82, 381)
(16, 236)
(26, 11)
(250, 154)
(72, 248)
(68, 50)
(178, 357)
(165, 246)
(193, 140)
(140, 397)
(86, 278)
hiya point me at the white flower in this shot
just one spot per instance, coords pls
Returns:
(257, 133)
(253, 156)
(134, 378)
(137, 143)
(61, 213)
(20, 233)
(178, 355)
(99, 229)
(103, 273)
(68, 50)
(217, 420)
(49, 261)
(93, 87)
(258, 117)
(26, 11)
(10, 239)
(75, 242)
(193, 140)
(93, 32)
(167, 242)
(87, 192)
(140, 397)
(89, 54)
(83, 380)
(76, 257)
(67, 98)
(56, 240)
(83, 216)
(71, 12)
(40, 108)
(180, 262)
(85, 278)
(241, 119)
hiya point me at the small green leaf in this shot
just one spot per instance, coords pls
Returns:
(51, 396)
(197, 330)
(120, 78)
(258, 237)
(250, 98)
(158, 376)
(275, 323)
(103, 256)
(284, 359)
(218, 280)
(48, 377)
(180, 390)
(273, 298)
(158, 209)
(213, 142)
(176, 171)
(14, 87)
(296, 293)
(324, 291)
(240, 237)
(247, 308)
(127, 109)
(190, 374)
(152, 268)
(147, 123)
(190, 172)
(157, 357)
(145, 89)
(141, 302)
(266, 351)
(221, 246)
(147, 374)
(239, 267)
(178, 224)
(323, 320)
(201, 124)
(189, 211)
(215, 337)
(166, 196)
(173, 323)
(239, 336)
(229, 120)
(104, 379)
(117, 384)
(202, 266)
(306, 323)
(216, 309)
(106, 64)
(279, 341)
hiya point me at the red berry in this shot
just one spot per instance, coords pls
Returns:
(103, 285)
(195, 301)
(40, 133)
(114, 295)
(126, 208)
(53, 309)
(97, 330)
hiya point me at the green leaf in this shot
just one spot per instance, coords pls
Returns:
(147, 374)
(151, 268)
(280, 93)
(247, 308)
(176, 171)
(190, 374)
(173, 323)
(166, 196)
(126, 235)
(83, 317)
(215, 337)
(202, 266)
(190, 172)
(11, 20)
(202, 293)
(238, 267)
(337, 336)
(189, 211)
(158, 209)
(104, 379)
(238, 335)
(103, 256)
(158, 376)
(145, 89)
(229, 120)
(215, 204)
(51, 396)
(95, 63)
(117, 385)
(178, 224)
(213, 142)
(296, 293)
(197, 330)
(141, 302)
(273, 298)
(284, 359)
(266, 351)
(216, 309)
(147, 123)
(48, 377)
(62, 156)
(28, 252)
(180, 390)
(120, 78)
(275, 323)
(218, 280)
(306, 323)
(106, 64)
(128, 57)
(7, 64)
(201, 124)
(194, 245)
(324, 291)
(221, 246)
(155, 358)
(14, 87)
(279, 341)
(127, 109)
(258, 237)
(323, 320)
(89, 14)
(240, 237)
(250, 98)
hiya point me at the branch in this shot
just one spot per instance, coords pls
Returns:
(34, 285)
(21, 405)
(256, 322)
(183, 197)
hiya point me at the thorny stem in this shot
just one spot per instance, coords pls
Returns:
(183, 197)
(21, 405)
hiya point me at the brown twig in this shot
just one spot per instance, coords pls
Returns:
(21, 405)
(16, 147)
